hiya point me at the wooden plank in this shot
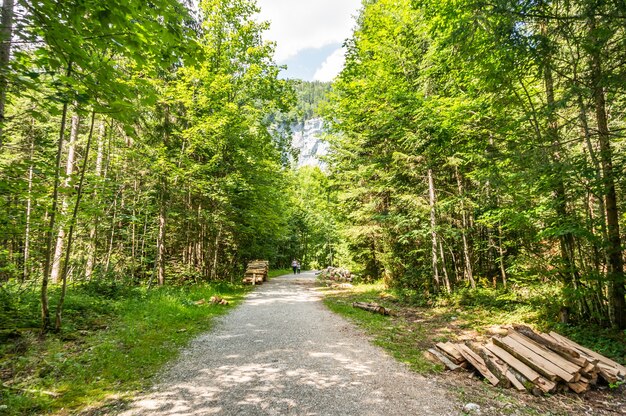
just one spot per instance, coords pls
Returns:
(569, 375)
(497, 367)
(544, 352)
(587, 357)
(478, 363)
(601, 358)
(445, 360)
(515, 381)
(608, 373)
(527, 372)
(546, 341)
(540, 364)
(451, 351)
(579, 387)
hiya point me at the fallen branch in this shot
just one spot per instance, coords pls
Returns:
(372, 307)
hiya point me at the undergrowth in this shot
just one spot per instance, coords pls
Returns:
(466, 314)
(115, 338)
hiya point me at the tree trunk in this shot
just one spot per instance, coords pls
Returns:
(70, 236)
(160, 260)
(107, 264)
(29, 208)
(45, 310)
(617, 291)
(469, 274)
(69, 170)
(433, 228)
(501, 252)
(93, 232)
(446, 278)
(566, 240)
(215, 254)
(6, 33)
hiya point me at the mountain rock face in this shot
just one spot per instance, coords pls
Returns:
(307, 140)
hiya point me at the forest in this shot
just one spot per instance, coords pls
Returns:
(481, 144)
(145, 155)
(136, 144)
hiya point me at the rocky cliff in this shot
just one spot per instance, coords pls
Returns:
(307, 141)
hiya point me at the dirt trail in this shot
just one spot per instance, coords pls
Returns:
(282, 352)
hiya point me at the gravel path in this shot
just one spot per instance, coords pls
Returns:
(283, 353)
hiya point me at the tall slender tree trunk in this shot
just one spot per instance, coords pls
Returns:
(107, 263)
(433, 228)
(45, 309)
(566, 240)
(501, 253)
(93, 231)
(616, 282)
(6, 33)
(160, 260)
(216, 248)
(469, 273)
(69, 170)
(446, 277)
(70, 236)
(26, 269)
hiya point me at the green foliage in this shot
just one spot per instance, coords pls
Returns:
(184, 181)
(313, 235)
(116, 338)
(393, 335)
(423, 322)
(465, 152)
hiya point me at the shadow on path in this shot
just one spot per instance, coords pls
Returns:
(281, 352)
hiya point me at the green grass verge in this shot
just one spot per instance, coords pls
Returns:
(395, 334)
(113, 342)
(278, 272)
(464, 315)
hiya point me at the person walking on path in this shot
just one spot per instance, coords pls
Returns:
(297, 267)
(294, 265)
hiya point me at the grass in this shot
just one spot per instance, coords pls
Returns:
(465, 316)
(471, 316)
(395, 334)
(114, 341)
(279, 272)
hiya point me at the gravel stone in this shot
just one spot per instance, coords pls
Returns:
(472, 408)
(283, 353)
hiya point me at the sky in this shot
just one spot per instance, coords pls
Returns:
(309, 35)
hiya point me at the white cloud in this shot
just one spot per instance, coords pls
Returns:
(302, 24)
(331, 67)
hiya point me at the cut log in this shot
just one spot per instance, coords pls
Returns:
(497, 367)
(517, 380)
(217, 300)
(444, 360)
(527, 372)
(452, 352)
(570, 354)
(537, 362)
(579, 387)
(608, 373)
(544, 352)
(505, 356)
(372, 307)
(621, 370)
(478, 363)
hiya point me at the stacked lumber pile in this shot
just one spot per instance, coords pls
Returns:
(256, 272)
(534, 361)
(333, 275)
